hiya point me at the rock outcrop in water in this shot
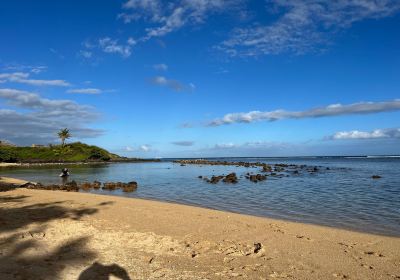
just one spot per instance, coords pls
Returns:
(266, 168)
(231, 178)
(256, 178)
(69, 187)
(216, 162)
(126, 187)
(86, 186)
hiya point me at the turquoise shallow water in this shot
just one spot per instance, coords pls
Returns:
(344, 196)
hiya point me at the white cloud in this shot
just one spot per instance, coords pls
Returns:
(38, 69)
(225, 146)
(109, 45)
(172, 84)
(303, 26)
(20, 67)
(145, 148)
(172, 15)
(23, 78)
(160, 67)
(14, 76)
(131, 41)
(328, 111)
(59, 83)
(141, 148)
(42, 118)
(85, 90)
(375, 134)
(287, 26)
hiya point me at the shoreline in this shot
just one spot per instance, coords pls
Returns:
(8, 183)
(28, 164)
(151, 239)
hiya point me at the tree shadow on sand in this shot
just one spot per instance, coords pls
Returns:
(23, 231)
(103, 272)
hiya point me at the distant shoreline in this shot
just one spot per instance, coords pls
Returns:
(35, 163)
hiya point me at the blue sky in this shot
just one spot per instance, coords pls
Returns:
(152, 78)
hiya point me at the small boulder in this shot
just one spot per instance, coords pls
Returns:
(96, 185)
(257, 178)
(231, 178)
(129, 187)
(266, 168)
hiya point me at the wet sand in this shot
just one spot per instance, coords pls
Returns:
(61, 235)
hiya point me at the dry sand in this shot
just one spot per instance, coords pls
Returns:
(59, 235)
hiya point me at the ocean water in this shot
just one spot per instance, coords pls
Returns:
(344, 196)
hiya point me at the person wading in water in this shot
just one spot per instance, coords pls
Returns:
(64, 175)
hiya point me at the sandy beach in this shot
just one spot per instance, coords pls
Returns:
(61, 235)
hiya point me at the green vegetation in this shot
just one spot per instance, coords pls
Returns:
(74, 152)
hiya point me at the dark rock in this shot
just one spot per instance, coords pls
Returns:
(86, 186)
(126, 187)
(129, 187)
(257, 247)
(231, 178)
(257, 178)
(215, 179)
(279, 168)
(70, 187)
(266, 168)
(110, 186)
(96, 185)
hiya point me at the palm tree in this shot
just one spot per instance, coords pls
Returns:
(64, 134)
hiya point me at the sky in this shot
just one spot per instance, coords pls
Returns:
(201, 78)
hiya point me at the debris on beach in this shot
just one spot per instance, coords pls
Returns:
(257, 247)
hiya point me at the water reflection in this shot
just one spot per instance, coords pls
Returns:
(343, 196)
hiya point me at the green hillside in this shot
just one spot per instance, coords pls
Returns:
(74, 152)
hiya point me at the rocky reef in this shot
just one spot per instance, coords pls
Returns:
(86, 186)
(277, 170)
